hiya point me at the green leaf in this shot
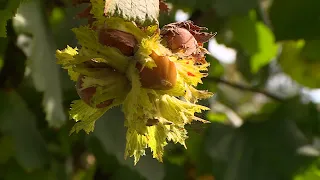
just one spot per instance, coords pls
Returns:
(14, 171)
(6, 13)
(45, 72)
(259, 150)
(174, 172)
(216, 69)
(19, 123)
(85, 174)
(295, 19)
(312, 172)
(266, 45)
(197, 153)
(243, 64)
(124, 173)
(3, 4)
(61, 21)
(143, 12)
(255, 38)
(234, 7)
(311, 51)
(306, 115)
(184, 4)
(3, 47)
(296, 61)
(216, 117)
(95, 147)
(190, 4)
(7, 150)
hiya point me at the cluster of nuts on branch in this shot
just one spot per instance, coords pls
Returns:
(183, 38)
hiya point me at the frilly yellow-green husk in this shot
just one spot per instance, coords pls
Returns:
(147, 46)
(171, 109)
(85, 116)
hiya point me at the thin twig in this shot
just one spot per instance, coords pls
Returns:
(264, 14)
(244, 88)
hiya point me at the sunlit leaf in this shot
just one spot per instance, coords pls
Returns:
(255, 38)
(310, 173)
(143, 12)
(216, 117)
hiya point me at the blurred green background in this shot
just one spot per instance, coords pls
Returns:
(265, 115)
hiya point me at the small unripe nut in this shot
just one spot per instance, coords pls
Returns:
(86, 94)
(123, 41)
(162, 77)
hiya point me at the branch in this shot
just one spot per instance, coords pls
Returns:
(244, 88)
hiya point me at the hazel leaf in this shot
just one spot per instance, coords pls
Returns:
(143, 12)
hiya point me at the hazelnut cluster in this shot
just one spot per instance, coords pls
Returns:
(151, 72)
